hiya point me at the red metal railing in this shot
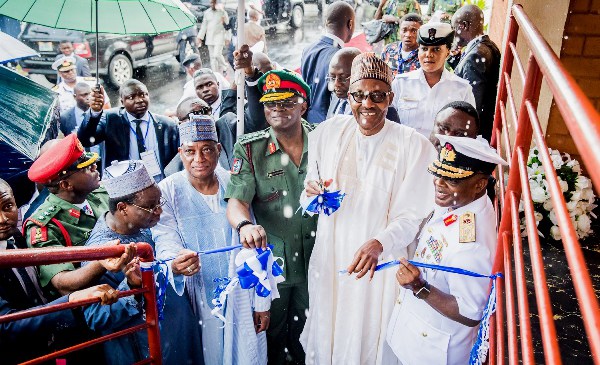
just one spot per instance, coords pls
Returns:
(583, 122)
(35, 257)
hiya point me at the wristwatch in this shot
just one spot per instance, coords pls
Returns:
(423, 293)
(245, 222)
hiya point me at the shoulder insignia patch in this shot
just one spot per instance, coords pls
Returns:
(252, 137)
(38, 235)
(466, 227)
(44, 214)
(236, 167)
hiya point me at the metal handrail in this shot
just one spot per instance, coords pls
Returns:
(583, 122)
(47, 256)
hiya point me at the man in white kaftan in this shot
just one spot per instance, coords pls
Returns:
(194, 219)
(380, 165)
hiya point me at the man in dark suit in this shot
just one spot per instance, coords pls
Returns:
(479, 63)
(207, 89)
(82, 65)
(131, 132)
(339, 26)
(19, 290)
(72, 118)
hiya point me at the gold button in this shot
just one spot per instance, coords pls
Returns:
(424, 334)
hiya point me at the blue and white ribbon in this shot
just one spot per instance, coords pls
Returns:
(327, 202)
(161, 274)
(481, 346)
(256, 268)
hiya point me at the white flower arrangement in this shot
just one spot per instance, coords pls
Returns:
(577, 190)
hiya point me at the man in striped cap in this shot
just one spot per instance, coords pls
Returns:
(381, 166)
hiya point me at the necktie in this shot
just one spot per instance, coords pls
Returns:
(88, 210)
(342, 107)
(28, 279)
(139, 137)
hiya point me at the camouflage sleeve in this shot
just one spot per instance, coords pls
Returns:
(45, 237)
(242, 185)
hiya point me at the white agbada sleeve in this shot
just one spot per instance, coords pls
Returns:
(167, 240)
(411, 202)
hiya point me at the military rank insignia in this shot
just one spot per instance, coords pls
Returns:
(272, 148)
(450, 219)
(39, 234)
(75, 213)
(466, 227)
(236, 167)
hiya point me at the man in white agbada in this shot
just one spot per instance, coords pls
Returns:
(381, 166)
(194, 219)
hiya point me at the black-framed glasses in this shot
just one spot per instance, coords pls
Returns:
(341, 79)
(375, 96)
(154, 209)
(283, 104)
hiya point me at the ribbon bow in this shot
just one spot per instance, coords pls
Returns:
(256, 268)
(327, 202)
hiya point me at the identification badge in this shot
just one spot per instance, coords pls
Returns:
(150, 160)
(274, 173)
(466, 228)
(236, 167)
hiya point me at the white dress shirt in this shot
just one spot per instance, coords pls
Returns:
(417, 103)
(149, 135)
(216, 108)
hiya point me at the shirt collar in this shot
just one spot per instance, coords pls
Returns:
(420, 74)
(474, 206)
(216, 104)
(337, 41)
(131, 118)
(79, 111)
(473, 41)
(273, 145)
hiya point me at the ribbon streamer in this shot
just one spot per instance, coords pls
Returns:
(161, 273)
(327, 202)
(256, 268)
(481, 346)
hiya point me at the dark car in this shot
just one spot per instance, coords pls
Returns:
(289, 12)
(119, 54)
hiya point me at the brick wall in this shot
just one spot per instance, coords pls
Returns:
(580, 53)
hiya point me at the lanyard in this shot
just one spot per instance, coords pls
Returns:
(150, 121)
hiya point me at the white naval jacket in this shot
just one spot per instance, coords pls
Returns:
(417, 103)
(417, 333)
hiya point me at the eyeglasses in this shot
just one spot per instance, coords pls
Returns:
(375, 96)
(284, 104)
(343, 80)
(154, 209)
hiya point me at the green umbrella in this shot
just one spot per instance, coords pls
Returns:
(103, 16)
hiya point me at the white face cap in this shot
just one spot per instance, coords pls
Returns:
(477, 148)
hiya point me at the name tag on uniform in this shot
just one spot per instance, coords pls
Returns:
(274, 173)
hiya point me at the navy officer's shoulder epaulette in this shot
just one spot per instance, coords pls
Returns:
(253, 137)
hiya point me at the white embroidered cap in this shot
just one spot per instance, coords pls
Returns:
(125, 178)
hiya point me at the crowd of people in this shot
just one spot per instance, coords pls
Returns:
(403, 134)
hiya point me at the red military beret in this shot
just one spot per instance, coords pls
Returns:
(65, 155)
